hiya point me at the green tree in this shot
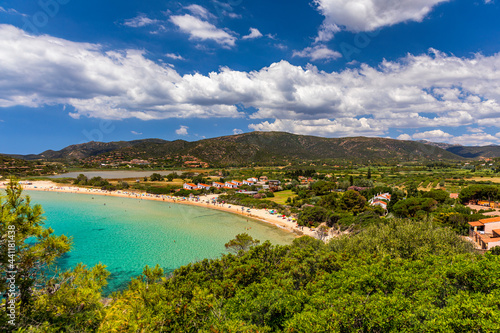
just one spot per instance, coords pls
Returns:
(329, 201)
(312, 216)
(322, 187)
(81, 180)
(363, 182)
(369, 174)
(412, 207)
(495, 251)
(242, 242)
(353, 201)
(27, 248)
(439, 195)
(479, 192)
(156, 177)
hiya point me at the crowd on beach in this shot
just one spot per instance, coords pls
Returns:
(210, 201)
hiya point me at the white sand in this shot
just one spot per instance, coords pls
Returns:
(203, 201)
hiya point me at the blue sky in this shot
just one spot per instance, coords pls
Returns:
(75, 71)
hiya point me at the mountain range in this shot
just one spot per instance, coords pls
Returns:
(264, 148)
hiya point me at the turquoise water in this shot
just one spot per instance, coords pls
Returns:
(127, 234)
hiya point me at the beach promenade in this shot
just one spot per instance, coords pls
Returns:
(206, 201)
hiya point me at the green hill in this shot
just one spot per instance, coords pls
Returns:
(259, 148)
(476, 152)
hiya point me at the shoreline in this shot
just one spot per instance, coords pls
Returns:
(205, 201)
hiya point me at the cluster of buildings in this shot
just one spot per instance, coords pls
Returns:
(485, 233)
(234, 184)
(381, 200)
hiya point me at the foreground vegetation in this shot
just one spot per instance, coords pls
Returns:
(399, 275)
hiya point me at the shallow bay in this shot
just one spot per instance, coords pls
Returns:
(127, 234)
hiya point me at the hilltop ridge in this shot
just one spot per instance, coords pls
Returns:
(258, 148)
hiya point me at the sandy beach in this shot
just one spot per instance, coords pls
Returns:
(206, 201)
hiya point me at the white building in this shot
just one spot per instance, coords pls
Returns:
(190, 187)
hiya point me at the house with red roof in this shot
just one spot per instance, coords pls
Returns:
(218, 185)
(379, 203)
(485, 233)
(203, 186)
(231, 185)
(190, 186)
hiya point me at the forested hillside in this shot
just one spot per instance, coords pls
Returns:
(255, 148)
(400, 275)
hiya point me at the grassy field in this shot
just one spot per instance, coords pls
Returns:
(486, 179)
(280, 197)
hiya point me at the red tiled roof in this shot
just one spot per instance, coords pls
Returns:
(491, 220)
(490, 240)
(476, 224)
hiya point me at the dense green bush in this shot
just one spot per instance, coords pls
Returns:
(248, 201)
(392, 276)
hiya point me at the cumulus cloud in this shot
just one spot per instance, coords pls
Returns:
(475, 130)
(237, 131)
(404, 137)
(327, 32)
(477, 139)
(174, 56)
(318, 52)
(418, 91)
(198, 29)
(139, 21)
(254, 33)
(44, 70)
(200, 11)
(369, 15)
(323, 127)
(432, 135)
(183, 130)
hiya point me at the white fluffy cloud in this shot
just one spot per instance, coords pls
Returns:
(237, 131)
(479, 138)
(368, 15)
(174, 56)
(183, 130)
(198, 29)
(200, 11)
(476, 139)
(432, 135)
(318, 52)
(139, 21)
(323, 127)
(418, 91)
(404, 137)
(254, 33)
